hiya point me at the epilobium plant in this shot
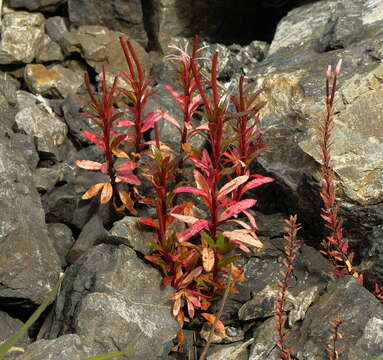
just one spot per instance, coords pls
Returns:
(103, 114)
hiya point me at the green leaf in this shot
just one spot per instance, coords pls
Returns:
(109, 355)
(227, 261)
(205, 236)
(4, 348)
(155, 246)
(223, 244)
(157, 154)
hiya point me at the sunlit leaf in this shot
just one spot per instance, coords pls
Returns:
(211, 319)
(93, 191)
(244, 236)
(185, 218)
(231, 186)
(88, 164)
(208, 259)
(106, 193)
(94, 138)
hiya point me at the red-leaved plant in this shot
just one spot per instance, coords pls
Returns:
(103, 114)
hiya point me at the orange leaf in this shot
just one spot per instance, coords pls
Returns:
(93, 191)
(244, 236)
(211, 318)
(176, 307)
(208, 259)
(127, 201)
(106, 193)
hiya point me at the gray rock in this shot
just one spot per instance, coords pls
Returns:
(92, 233)
(54, 81)
(28, 146)
(121, 15)
(46, 178)
(33, 5)
(230, 352)
(128, 231)
(29, 265)
(40, 121)
(347, 300)
(263, 347)
(8, 87)
(49, 50)
(66, 347)
(114, 299)
(9, 327)
(100, 47)
(22, 34)
(62, 240)
(56, 27)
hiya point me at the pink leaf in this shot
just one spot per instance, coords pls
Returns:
(151, 119)
(258, 181)
(244, 236)
(175, 95)
(197, 227)
(190, 190)
(231, 186)
(186, 219)
(88, 165)
(172, 120)
(126, 166)
(125, 123)
(128, 178)
(236, 209)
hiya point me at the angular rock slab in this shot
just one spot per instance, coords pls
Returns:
(29, 265)
(113, 298)
(67, 347)
(33, 5)
(21, 36)
(347, 300)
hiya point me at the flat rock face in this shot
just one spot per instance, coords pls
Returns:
(33, 5)
(347, 300)
(29, 265)
(113, 298)
(67, 347)
(100, 46)
(21, 35)
(121, 15)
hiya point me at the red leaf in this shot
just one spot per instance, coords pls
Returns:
(128, 178)
(88, 165)
(193, 230)
(95, 139)
(149, 222)
(211, 319)
(191, 276)
(236, 209)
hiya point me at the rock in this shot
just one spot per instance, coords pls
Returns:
(231, 335)
(66, 347)
(128, 231)
(54, 81)
(29, 265)
(349, 301)
(22, 34)
(46, 178)
(263, 347)
(101, 47)
(7, 112)
(113, 298)
(40, 121)
(120, 15)
(327, 25)
(49, 51)
(230, 352)
(33, 5)
(62, 240)
(8, 87)
(91, 234)
(9, 327)
(27, 144)
(56, 27)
